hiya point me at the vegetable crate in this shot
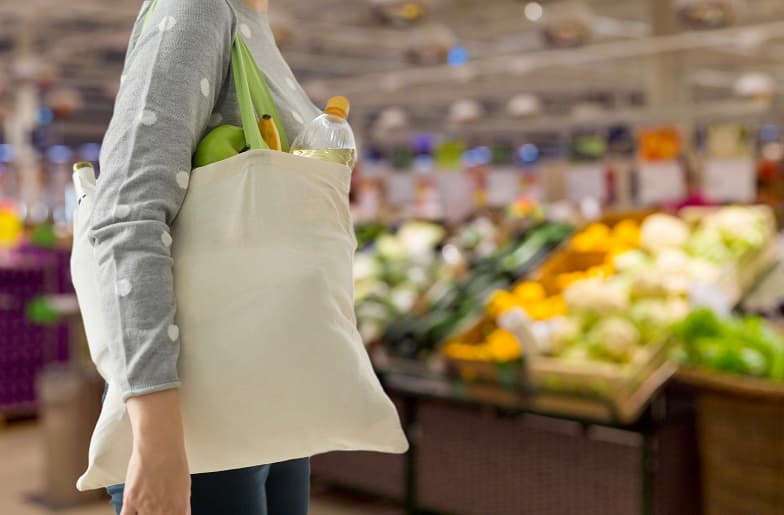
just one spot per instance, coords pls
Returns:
(509, 374)
(625, 388)
(740, 277)
(741, 442)
(562, 386)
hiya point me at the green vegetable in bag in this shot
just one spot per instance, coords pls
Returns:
(220, 143)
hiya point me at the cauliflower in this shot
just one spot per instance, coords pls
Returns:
(598, 296)
(670, 274)
(650, 312)
(562, 334)
(419, 238)
(678, 309)
(404, 298)
(615, 339)
(365, 267)
(660, 313)
(390, 247)
(673, 261)
(647, 283)
(704, 271)
(729, 233)
(629, 261)
(741, 228)
(662, 231)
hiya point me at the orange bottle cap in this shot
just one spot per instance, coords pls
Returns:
(338, 106)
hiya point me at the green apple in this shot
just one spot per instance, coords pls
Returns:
(220, 143)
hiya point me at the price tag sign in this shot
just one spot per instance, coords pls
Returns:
(661, 182)
(503, 187)
(586, 181)
(400, 189)
(730, 180)
(456, 191)
(375, 171)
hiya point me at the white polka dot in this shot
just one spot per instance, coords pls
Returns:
(297, 117)
(215, 119)
(174, 332)
(291, 84)
(122, 211)
(123, 287)
(148, 117)
(167, 23)
(166, 239)
(183, 178)
(246, 31)
(205, 87)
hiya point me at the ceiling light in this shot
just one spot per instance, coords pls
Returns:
(524, 105)
(707, 14)
(465, 112)
(533, 11)
(528, 153)
(568, 24)
(755, 84)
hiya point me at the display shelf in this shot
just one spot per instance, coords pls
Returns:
(483, 427)
(582, 407)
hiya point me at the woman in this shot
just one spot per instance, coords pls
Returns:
(176, 85)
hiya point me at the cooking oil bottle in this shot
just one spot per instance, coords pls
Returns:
(329, 137)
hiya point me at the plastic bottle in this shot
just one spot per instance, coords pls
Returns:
(329, 137)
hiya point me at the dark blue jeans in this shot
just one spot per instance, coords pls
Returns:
(279, 489)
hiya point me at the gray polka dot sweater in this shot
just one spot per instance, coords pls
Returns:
(176, 85)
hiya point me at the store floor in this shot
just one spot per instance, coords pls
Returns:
(20, 470)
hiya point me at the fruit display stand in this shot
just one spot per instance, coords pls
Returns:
(740, 424)
(596, 390)
(479, 449)
(507, 437)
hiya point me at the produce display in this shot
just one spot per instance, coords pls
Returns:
(393, 271)
(368, 232)
(450, 307)
(597, 314)
(614, 293)
(746, 346)
(390, 276)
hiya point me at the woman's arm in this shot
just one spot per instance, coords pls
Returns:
(173, 77)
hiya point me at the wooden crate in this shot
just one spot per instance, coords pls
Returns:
(741, 442)
(738, 278)
(626, 388)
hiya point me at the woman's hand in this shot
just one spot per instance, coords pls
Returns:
(158, 481)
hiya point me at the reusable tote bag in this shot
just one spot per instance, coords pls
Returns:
(272, 365)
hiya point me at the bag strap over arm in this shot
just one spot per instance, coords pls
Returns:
(260, 93)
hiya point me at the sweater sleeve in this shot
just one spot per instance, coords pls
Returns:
(173, 77)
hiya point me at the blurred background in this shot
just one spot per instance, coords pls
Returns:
(568, 274)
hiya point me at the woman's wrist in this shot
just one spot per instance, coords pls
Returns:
(156, 419)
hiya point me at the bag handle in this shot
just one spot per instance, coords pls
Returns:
(253, 94)
(259, 91)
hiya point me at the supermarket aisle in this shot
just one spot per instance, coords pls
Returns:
(21, 464)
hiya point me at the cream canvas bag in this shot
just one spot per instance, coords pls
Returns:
(272, 365)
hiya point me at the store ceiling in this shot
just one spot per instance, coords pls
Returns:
(340, 46)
